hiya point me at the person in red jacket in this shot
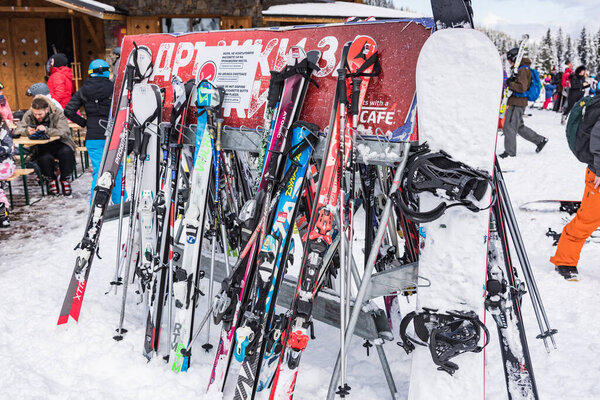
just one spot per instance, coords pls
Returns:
(60, 82)
(566, 84)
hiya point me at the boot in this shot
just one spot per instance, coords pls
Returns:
(54, 187)
(568, 272)
(66, 187)
(4, 219)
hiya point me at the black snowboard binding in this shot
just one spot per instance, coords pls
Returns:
(447, 335)
(436, 173)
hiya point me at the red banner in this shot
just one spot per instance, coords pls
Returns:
(241, 61)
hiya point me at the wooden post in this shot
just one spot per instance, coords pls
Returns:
(76, 65)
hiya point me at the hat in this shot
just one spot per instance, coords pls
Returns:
(512, 54)
(38, 88)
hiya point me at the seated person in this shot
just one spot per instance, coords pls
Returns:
(43, 118)
(5, 111)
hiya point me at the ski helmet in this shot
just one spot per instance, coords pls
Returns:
(38, 88)
(99, 67)
(512, 54)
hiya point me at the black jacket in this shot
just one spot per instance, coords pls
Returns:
(95, 96)
(587, 146)
(578, 84)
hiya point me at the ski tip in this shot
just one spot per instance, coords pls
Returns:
(65, 321)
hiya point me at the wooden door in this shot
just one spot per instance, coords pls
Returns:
(91, 41)
(30, 55)
(7, 66)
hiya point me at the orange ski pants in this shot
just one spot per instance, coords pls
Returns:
(586, 221)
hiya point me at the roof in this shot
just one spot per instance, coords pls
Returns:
(339, 9)
(90, 7)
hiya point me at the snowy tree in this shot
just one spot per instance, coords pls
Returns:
(546, 58)
(380, 3)
(596, 54)
(582, 47)
(569, 52)
(560, 50)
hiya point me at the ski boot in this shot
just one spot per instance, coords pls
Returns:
(4, 219)
(66, 186)
(53, 186)
(568, 272)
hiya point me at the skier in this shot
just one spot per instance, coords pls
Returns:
(577, 85)
(5, 112)
(7, 169)
(60, 81)
(95, 97)
(42, 88)
(587, 219)
(43, 119)
(549, 88)
(516, 108)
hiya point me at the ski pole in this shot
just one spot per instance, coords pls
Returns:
(538, 307)
(370, 265)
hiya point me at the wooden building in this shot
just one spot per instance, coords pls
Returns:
(33, 30)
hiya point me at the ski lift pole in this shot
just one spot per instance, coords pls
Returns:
(538, 307)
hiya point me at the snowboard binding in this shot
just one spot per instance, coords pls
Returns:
(447, 335)
(437, 172)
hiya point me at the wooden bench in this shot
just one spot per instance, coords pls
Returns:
(19, 172)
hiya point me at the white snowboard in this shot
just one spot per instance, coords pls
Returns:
(459, 88)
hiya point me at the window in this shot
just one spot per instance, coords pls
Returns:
(179, 25)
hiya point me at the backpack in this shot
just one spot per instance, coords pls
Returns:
(575, 117)
(535, 88)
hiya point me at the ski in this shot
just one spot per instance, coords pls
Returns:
(568, 206)
(296, 76)
(358, 62)
(452, 14)
(503, 302)
(185, 277)
(139, 68)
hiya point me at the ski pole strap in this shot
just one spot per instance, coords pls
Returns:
(371, 61)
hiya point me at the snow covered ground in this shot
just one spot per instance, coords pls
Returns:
(39, 362)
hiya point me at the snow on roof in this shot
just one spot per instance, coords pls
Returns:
(338, 9)
(105, 7)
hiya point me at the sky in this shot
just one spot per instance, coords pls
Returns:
(516, 17)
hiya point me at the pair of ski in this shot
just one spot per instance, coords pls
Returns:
(245, 303)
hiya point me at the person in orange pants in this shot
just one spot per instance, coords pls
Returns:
(587, 219)
(575, 233)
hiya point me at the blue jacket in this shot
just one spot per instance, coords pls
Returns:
(550, 88)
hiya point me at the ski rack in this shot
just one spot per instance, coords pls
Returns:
(372, 323)
(380, 152)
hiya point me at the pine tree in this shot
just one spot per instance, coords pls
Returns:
(582, 47)
(380, 3)
(569, 53)
(546, 60)
(596, 54)
(560, 52)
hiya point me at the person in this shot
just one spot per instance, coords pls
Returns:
(558, 98)
(42, 88)
(60, 81)
(95, 97)
(7, 169)
(587, 219)
(549, 89)
(517, 102)
(566, 84)
(577, 86)
(5, 111)
(44, 118)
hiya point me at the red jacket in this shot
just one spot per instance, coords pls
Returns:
(565, 79)
(60, 84)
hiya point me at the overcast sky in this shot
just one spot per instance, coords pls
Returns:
(516, 17)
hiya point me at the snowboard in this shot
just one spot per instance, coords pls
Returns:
(459, 86)
(568, 206)
(452, 13)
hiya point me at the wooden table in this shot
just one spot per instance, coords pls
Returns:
(23, 142)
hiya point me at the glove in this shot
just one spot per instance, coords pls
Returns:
(510, 80)
(39, 135)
